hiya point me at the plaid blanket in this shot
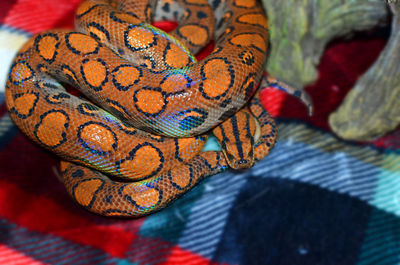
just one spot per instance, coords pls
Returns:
(315, 199)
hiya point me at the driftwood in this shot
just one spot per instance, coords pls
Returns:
(372, 107)
(300, 30)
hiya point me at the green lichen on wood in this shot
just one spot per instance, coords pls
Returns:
(372, 107)
(300, 30)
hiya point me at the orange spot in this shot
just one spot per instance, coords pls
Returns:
(118, 111)
(84, 7)
(176, 57)
(95, 72)
(88, 110)
(150, 101)
(197, 2)
(156, 137)
(67, 72)
(245, 3)
(126, 75)
(228, 30)
(25, 103)
(64, 165)
(51, 129)
(267, 127)
(195, 34)
(86, 190)
(249, 87)
(211, 158)
(140, 37)
(189, 147)
(145, 162)
(254, 19)
(100, 35)
(212, 86)
(114, 214)
(250, 39)
(128, 18)
(98, 137)
(82, 43)
(47, 47)
(181, 176)
(143, 196)
(256, 110)
(145, 62)
(148, 13)
(9, 98)
(227, 16)
(174, 83)
(126, 128)
(20, 72)
(116, 107)
(43, 69)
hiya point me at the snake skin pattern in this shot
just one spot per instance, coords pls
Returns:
(141, 149)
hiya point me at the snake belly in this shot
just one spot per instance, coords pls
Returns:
(157, 94)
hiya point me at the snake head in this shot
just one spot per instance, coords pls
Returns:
(237, 137)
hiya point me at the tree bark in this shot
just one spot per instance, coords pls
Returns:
(372, 107)
(300, 30)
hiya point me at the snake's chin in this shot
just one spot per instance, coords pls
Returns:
(238, 165)
(241, 163)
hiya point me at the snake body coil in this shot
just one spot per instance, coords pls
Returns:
(151, 89)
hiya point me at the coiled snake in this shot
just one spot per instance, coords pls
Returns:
(141, 149)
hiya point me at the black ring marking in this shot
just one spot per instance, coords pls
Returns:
(39, 38)
(166, 50)
(25, 62)
(77, 173)
(165, 101)
(100, 87)
(132, 154)
(87, 147)
(94, 197)
(57, 98)
(190, 122)
(188, 84)
(203, 75)
(31, 110)
(134, 49)
(252, 45)
(250, 88)
(116, 19)
(72, 80)
(175, 185)
(118, 85)
(197, 25)
(247, 57)
(63, 135)
(84, 109)
(88, 11)
(132, 201)
(75, 51)
(246, 23)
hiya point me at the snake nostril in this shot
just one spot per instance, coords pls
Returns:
(242, 162)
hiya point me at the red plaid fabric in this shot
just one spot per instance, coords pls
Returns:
(314, 200)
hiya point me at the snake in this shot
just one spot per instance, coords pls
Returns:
(132, 142)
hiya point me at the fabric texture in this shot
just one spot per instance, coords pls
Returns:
(316, 199)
